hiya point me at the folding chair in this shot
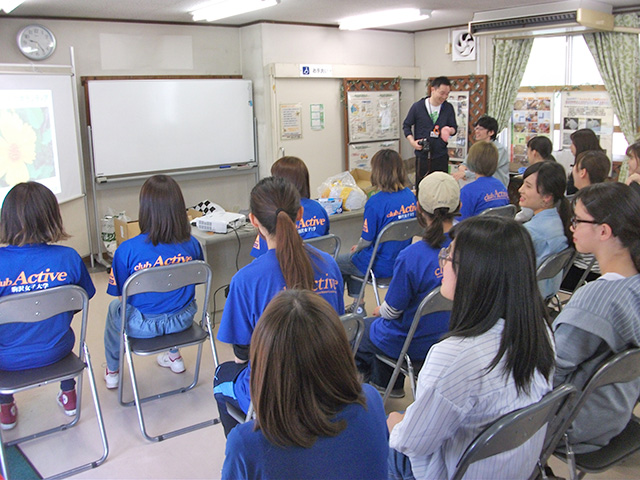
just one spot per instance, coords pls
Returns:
(35, 307)
(507, 211)
(353, 325)
(329, 243)
(397, 231)
(552, 266)
(432, 303)
(165, 279)
(621, 368)
(513, 429)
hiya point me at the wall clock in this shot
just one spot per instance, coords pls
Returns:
(36, 42)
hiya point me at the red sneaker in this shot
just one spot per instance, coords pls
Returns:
(8, 415)
(67, 400)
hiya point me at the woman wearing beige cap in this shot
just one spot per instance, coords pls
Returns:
(416, 272)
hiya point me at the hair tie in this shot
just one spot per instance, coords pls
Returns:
(278, 210)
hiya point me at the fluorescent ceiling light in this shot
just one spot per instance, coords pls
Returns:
(229, 8)
(8, 5)
(384, 18)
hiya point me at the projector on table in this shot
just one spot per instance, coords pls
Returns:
(219, 222)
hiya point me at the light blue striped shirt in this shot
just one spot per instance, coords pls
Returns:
(456, 400)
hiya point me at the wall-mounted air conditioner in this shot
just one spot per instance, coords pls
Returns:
(548, 19)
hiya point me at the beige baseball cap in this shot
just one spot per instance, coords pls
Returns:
(438, 190)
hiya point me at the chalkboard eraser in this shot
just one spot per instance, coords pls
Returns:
(101, 179)
(225, 166)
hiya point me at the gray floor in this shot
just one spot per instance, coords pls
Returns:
(194, 455)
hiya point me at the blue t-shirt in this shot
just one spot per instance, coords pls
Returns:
(139, 253)
(380, 210)
(251, 290)
(31, 268)
(314, 223)
(415, 274)
(358, 452)
(483, 193)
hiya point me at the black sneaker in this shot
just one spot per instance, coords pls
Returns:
(359, 310)
(395, 393)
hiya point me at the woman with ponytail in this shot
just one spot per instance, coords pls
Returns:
(543, 192)
(288, 264)
(416, 272)
(603, 317)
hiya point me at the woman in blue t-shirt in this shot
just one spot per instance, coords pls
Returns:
(289, 263)
(394, 201)
(415, 273)
(315, 220)
(313, 418)
(30, 222)
(165, 238)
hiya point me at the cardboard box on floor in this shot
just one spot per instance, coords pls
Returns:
(126, 230)
(363, 180)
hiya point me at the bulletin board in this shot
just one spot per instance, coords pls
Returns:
(372, 112)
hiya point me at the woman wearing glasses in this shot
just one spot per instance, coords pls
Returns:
(497, 357)
(603, 317)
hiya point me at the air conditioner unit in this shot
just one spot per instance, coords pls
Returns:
(549, 19)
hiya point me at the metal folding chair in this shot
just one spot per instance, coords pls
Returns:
(354, 326)
(507, 211)
(397, 231)
(432, 303)
(552, 266)
(38, 306)
(621, 368)
(329, 243)
(514, 429)
(166, 279)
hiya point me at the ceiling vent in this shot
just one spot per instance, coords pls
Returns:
(549, 19)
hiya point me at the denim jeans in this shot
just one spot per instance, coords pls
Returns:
(65, 386)
(399, 466)
(141, 326)
(347, 268)
(372, 369)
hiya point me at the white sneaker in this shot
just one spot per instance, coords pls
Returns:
(176, 366)
(112, 379)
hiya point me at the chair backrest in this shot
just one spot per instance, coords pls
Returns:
(327, 243)
(513, 429)
(507, 211)
(354, 326)
(168, 278)
(42, 304)
(621, 368)
(432, 303)
(555, 263)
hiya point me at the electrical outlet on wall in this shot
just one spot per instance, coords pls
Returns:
(447, 48)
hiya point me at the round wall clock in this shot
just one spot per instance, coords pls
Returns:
(36, 42)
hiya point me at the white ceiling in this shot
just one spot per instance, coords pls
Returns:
(446, 13)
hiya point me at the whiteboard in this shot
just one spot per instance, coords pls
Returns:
(38, 127)
(161, 125)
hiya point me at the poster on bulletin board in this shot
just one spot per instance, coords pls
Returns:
(591, 110)
(373, 115)
(360, 154)
(458, 144)
(532, 116)
(290, 121)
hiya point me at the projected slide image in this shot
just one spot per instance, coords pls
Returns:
(27, 139)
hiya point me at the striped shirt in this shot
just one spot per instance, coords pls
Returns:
(456, 400)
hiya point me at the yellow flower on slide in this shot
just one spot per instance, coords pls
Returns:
(17, 148)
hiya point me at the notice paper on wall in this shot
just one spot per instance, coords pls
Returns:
(290, 121)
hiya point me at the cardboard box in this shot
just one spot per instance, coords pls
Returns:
(363, 180)
(125, 230)
(193, 214)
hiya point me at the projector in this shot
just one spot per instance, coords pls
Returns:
(219, 222)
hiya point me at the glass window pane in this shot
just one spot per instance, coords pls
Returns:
(583, 67)
(543, 68)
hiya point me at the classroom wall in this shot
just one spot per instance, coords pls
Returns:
(377, 53)
(112, 48)
(433, 59)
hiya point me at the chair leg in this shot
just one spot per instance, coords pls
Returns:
(3, 461)
(375, 288)
(412, 378)
(214, 351)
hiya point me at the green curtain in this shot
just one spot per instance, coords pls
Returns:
(617, 56)
(510, 57)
